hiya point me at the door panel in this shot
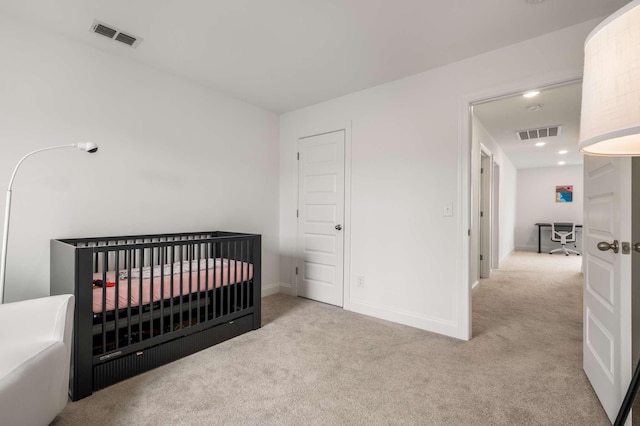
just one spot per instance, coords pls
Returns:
(607, 279)
(320, 211)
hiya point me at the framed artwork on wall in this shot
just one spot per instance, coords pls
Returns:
(564, 194)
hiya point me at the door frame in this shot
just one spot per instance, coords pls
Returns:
(495, 215)
(485, 205)
(465, 176)
(346, 259)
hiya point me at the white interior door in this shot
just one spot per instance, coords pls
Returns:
(321, 217)
(607, 279)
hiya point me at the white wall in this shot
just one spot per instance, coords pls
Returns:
(507, 196)
(536, 203)
(174, 156)
(405, 165)
(508, 204)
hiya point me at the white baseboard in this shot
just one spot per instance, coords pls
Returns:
(270, 289)
(286, 288)
(276, 288)
(475, 286)
(505, 257)
(413, 319)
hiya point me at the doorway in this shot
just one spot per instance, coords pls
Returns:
(500, 143)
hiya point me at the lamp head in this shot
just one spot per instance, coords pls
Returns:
(610, 118)
(90, 147)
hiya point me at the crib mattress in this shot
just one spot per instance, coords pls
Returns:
(165, 284)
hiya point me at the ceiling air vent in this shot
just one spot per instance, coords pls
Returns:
(542, 132)
(126, 39)
(104, 30)
(115, 34)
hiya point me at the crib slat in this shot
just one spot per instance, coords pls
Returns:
(228, 277)
(253, 279)
(206, 280)
(171, 277)
(140, 253)
(104, 310)
(215, 279)
(199, 289)
(188, 279)
(241, 280)
(245, 274)
(161, 256)
(181, 283)
(152, 295)
(249, 277)
(235, 275)
(128, 297)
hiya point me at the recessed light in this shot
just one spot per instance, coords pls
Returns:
(562, 163)
(531, 94)
(534, 107)
(533, 1)
(539, 144)
(562, 151)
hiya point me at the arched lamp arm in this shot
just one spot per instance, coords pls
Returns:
(89, 147)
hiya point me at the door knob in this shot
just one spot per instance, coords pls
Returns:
(339, 227)
(636, 247)
(604, 246)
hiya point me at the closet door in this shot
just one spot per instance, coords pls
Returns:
(321, 171)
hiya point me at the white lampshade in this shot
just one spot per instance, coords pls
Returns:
(610, 121)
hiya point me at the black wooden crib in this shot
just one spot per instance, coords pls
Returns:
(143, 301)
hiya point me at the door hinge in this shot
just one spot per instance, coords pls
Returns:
(480, 257)
(469, 232)
(298, 156)
(297, 213)
(481, 170)
(481, 214)
(296, 270)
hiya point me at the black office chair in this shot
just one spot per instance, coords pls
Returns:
(563, 233)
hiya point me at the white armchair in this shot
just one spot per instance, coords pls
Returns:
(35, 350)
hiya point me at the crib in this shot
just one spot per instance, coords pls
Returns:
(146, 300)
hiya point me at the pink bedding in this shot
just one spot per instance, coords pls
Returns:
(225, 274)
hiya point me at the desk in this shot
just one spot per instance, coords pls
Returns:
(548, 225)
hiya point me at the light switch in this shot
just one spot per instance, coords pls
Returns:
(448, 210)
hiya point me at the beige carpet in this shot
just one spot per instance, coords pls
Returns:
(313, 363)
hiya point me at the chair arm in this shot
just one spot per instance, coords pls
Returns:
(46, 318)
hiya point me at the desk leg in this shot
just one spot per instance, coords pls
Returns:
(539, 238)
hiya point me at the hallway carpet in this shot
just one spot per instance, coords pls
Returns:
(315, 364)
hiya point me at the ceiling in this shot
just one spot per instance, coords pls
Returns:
(287, 54)
(559, 105)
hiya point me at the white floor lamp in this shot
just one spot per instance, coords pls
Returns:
(87, 146)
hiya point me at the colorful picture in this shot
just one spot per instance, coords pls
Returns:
(564, 194)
